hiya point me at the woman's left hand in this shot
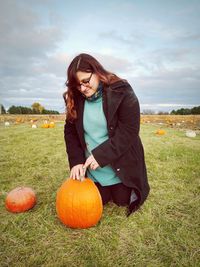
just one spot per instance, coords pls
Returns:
(91, 162)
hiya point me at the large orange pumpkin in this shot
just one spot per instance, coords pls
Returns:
(20, 199)
(79, 203)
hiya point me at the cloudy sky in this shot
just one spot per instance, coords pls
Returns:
(154, 44)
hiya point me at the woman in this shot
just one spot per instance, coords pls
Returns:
(102, 133)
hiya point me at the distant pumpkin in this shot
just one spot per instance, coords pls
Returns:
(45, 125)
(79, 203)
(18, 120)
(20, 199)
(160, 132)
(51, 124)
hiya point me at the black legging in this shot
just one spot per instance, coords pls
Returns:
(118, 193)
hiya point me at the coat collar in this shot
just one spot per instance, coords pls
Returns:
(113, 96)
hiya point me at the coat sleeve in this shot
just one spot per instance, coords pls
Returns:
(125, 134)
(73, 146)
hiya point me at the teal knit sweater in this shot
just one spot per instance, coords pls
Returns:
(95, 133)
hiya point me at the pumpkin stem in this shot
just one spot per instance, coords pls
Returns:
(83, 176)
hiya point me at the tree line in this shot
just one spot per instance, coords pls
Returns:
(181, 111)
(36, 108)
(186, 111)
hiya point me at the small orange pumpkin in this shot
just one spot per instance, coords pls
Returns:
(160, 132)
(45, 125)
(20, 199)
(51, 124)
(79, 203)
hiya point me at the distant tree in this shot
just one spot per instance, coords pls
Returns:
(46, 111)
(37, 108)
(3, 110)
(186, 111)
(173, 112)
(13, 110)
(195, 110)
(25, 110)
(19, 110)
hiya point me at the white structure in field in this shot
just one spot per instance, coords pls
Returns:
(190, 133)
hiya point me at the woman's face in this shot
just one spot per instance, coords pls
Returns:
(88, 83)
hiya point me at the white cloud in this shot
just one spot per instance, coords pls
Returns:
(158, 55)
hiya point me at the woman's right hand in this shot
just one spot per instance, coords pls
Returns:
(78, 172)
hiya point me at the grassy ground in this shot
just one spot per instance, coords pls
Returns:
(165, 232)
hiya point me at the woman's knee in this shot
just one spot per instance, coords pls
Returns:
(121, 194)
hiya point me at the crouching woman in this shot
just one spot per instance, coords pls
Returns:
(102, 133)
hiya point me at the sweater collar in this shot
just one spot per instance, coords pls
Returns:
(97, 94)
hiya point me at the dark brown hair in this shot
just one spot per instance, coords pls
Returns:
(85, 63)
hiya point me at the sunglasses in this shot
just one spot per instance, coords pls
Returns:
(85, 82)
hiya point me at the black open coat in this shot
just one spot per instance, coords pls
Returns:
(123, 149)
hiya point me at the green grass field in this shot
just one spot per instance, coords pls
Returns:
(164, 232)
